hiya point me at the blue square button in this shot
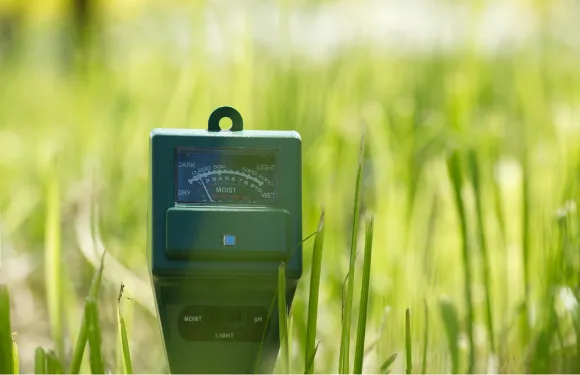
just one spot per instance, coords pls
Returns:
(229, 240)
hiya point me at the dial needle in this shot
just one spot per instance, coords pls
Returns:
(207, 192)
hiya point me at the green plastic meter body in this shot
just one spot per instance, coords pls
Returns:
(225, 211)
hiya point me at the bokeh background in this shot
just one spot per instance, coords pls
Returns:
(83, 82)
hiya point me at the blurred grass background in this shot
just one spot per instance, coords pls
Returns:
(496, 84)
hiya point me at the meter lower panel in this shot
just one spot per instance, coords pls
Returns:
(220, 325)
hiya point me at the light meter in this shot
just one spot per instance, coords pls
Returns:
(225, 210)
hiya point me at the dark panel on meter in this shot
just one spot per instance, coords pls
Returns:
(220, 323)
(226, 176)
(203, 232)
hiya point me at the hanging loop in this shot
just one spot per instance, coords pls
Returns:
(213, 124)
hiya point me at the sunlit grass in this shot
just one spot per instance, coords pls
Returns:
(15, 356)
(94, 336)
(315, 273)
(125, 350)
(475, 177)
(81, 342)
(6, 356)
(283, 320)
(408, 343)
(359, 350)
(451, 322)
(344, 359)
(40, 361)
(512, 117)
(53, 364)
(386, 367)
(53, 262)
(455, 168)
(425, 340)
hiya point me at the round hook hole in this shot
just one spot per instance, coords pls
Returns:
(226, 123)
(234, 119)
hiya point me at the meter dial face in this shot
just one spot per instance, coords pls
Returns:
(226, 176)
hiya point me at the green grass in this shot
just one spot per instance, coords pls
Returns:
(425, 340)
(53, 262)
(53, 364)
(408, 343)
(344, 359)
(386, 367)
(48, 361)
(40, 361)
(15, 357)
(456, 176)
(94, 337)
(81, 342)
(359, 350)
(475, 176)
(488, 239)
(451, 322)
(283, 320)
(6, 356)
(311, 347)
(125, 350)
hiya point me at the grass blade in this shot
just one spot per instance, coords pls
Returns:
(15, 359)
(94, 337)
(364, 299)
(53, 268)
(386, 366)
(79, 350)
(272, 306)
(95, 287)
(290, 324)
(343, 366)
(451, 323)
(40, 361)
(283, 319)
(313, 296)
(258, 358)
(408, 347)
(542, 356)
(310, 361)
(53, 365)
(271, 309)
(475, 180)
(126, 353)
(6, 357)
(455, 175)
(425, 340)
(526, 202)
(576, 320)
